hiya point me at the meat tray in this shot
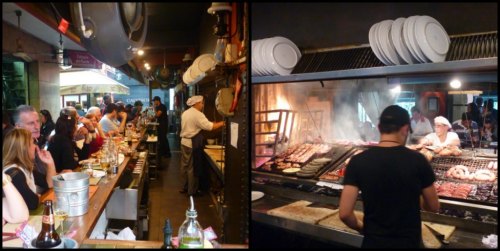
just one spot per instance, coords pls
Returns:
(465, 188)
(335, 153)
(336, 172)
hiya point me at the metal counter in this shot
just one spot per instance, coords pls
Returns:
(468, 234)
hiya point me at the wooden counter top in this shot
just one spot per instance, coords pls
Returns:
(84, 224)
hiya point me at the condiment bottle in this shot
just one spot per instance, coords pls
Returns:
(167, 236)
(190, 232)
(48, 236)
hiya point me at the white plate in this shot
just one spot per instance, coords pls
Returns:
(265, 67)
(373, 43)
(214, 147)
(378, 41)
(406, 40)
(432, 38)
(413, 40)
(257, 195)
(187, 76)
(283, 55)
(204, 62)
(386, 42)
(98, 173)
(397, 40)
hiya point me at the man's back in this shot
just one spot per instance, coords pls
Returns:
(391, 180)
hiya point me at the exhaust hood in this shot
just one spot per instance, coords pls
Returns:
(468, 53)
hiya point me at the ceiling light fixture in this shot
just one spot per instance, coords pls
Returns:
(455, 83)
(140, 52)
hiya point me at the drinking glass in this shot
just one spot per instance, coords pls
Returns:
(105, 163)
(61, 211)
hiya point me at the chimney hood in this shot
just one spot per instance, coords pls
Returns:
(470, 54)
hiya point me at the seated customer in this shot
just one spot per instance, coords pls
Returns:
(96, 143)
(489, 131)
(109, 120)
(467, 130)
(18, 153)
(46, 129)
(62, 146)
(14, 209)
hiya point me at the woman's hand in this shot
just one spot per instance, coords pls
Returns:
(45, 156)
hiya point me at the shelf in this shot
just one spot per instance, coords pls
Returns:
(482, 64)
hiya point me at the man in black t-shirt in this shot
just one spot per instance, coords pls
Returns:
(391, 179)
(161, 116)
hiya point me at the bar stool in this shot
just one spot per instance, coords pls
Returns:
(153, 159)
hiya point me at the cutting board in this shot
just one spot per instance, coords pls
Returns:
(445, 230)
(51, 195)
(34, 220)
(430, 240)
(335, 222)
(300, 211)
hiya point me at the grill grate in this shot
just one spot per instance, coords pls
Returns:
(461, 48)
(442, 164)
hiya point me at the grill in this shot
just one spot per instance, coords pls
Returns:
(462, 47)
(482, 192)
(442, 164)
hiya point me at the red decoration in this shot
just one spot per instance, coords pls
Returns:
(63, 26)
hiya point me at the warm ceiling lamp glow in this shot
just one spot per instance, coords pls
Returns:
(140, 52)
(455, 83)
(146, 65)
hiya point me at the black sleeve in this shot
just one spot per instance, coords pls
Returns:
(19, 181)
(82, 153)
(350, 173)
(427, 175)
(61, 150)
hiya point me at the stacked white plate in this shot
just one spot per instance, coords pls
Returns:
(416, 39)
(199, 68)
(274, 56)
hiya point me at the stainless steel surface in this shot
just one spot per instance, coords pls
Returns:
(465, 235)
(483, 64)
(124, 203)
(75, 188)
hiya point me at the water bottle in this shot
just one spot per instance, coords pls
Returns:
(190, 232)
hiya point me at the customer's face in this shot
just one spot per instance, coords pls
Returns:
(31, 122)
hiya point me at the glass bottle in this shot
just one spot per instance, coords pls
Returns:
(190, 232)
(48, 236)
(167, 236)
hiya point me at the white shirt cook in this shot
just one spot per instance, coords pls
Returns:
(434, 139)
(192, 122)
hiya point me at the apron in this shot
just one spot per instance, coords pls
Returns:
(197, 154)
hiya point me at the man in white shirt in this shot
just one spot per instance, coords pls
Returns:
(192, 122)
(108, 121)
(420, 125)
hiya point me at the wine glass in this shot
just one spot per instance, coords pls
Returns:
(105, 163)
(61, 211)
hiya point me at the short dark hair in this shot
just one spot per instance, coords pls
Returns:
(415, 109)
(392, 119)
(466, 116)
(111, 107)
(157, 98)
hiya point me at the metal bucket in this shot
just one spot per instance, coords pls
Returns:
(75, 188)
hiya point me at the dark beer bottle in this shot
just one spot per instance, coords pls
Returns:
(167, 235)
(48, 237)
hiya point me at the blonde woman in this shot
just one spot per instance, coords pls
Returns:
(18, 154)
(14, 210)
